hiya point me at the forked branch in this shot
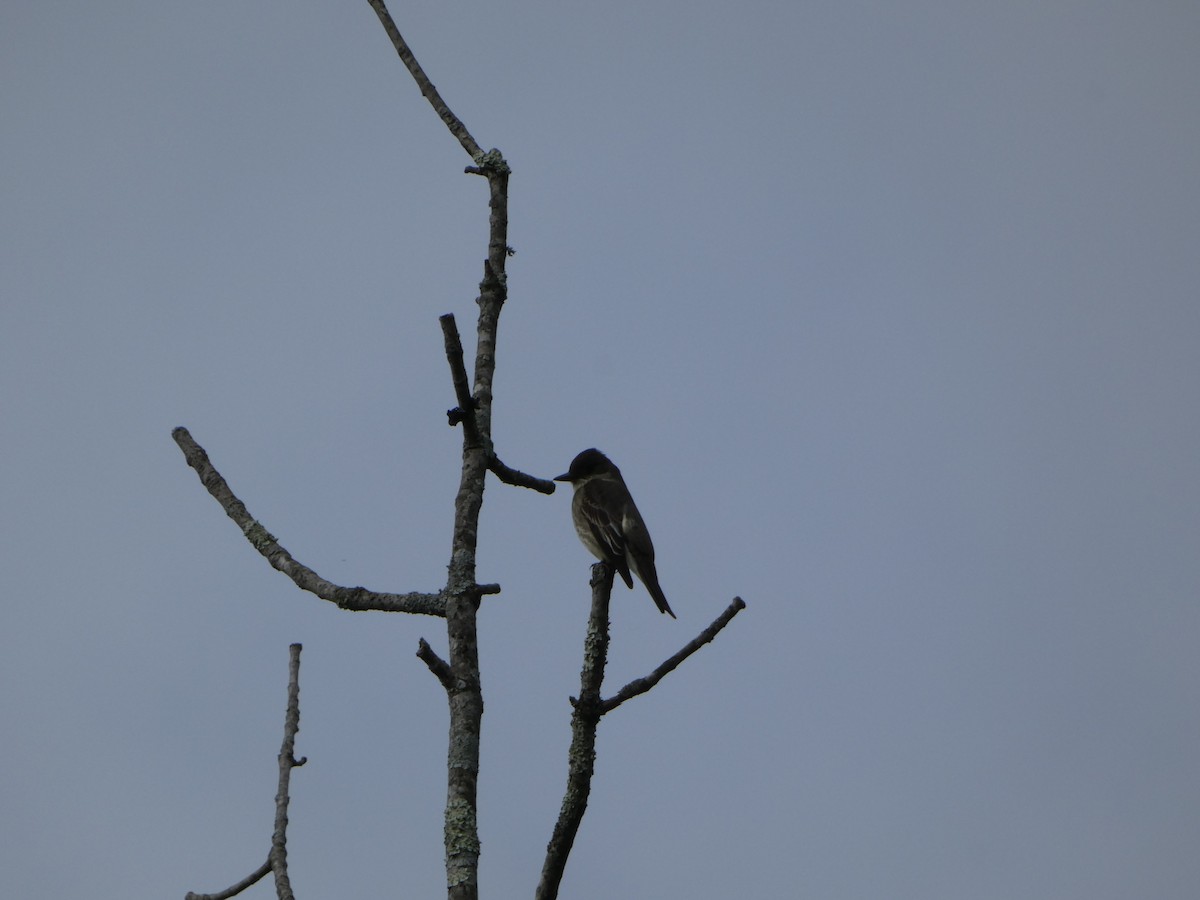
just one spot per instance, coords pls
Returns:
(585, 719)
(277, 857)
(464, 413)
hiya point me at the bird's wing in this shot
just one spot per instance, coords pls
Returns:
(640, 556)
(596, 502)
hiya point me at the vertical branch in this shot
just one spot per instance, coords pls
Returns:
(493, 289)
(585, 720)
(462, 680)
(464, 689)
(277, 855)
(581, 758)
(287, 760)
(466, 692)
(466, 698)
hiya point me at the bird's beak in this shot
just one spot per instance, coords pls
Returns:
(565, 476)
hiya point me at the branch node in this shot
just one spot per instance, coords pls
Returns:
(489, 164)
(277, 857)
(494, 286)
(464, 413)
(457, 415)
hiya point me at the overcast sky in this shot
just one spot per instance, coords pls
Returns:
(889, 312)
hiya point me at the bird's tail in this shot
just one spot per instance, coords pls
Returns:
(643, 568)
(660, 599)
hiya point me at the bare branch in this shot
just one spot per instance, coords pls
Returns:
(519, 479)
(233, 890)
(465, 411)
(428, 91)
(585, 719)
(581, 757)
(462, 594)
(459, 600)
(351, 598)
(641, 685)
(277, 858)
(287, 761)
(438, 666)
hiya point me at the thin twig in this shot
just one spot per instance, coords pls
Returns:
(641, 685)
(464, 413)
(512, 476)
(351, 598)
(235, 889)
(277, 857)
(438, 666)
(428, 91)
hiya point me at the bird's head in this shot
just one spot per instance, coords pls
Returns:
(587, 464)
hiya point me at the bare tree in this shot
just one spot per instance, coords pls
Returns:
(458, 601)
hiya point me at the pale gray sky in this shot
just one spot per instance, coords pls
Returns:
(888, 312)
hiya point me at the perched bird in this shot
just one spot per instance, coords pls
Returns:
(608, 521)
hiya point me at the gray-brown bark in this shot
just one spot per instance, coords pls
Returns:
(589, 708)
(277, 856)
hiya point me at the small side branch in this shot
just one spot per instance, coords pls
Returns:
(641, 685)
(428, 91)
(351, 598)
(512, 476)
(438, 666)
(585, 719)
(234, 889)
(277, 858)
(464, 413)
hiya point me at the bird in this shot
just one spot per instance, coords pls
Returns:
(609, 524)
